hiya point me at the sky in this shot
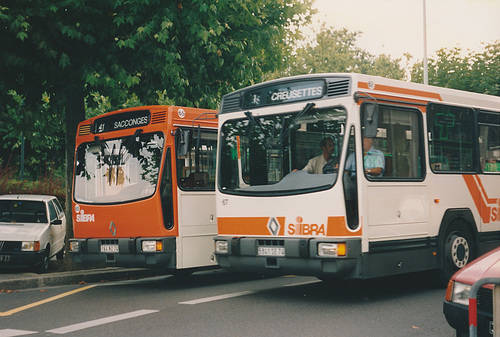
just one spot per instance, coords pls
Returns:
(395, 27)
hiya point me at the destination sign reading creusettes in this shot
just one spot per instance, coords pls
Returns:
(284, 93)
(125, 120)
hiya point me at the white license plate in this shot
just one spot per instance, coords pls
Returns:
(4, 258)
(109, 249)
(271, 251)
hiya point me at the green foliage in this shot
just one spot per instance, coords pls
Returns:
(44, 137)
(99, 55)
(336, 51)
(471, 71)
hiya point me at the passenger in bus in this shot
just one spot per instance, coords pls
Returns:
(373, 160)
(325, 162)
(492, 165)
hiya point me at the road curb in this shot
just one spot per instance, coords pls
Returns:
(75, 277)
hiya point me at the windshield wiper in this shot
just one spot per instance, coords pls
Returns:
(286, 131)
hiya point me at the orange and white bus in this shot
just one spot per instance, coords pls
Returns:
(144, 188)
(424, 194)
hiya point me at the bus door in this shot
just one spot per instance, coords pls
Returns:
(395, 202)
(196, 151)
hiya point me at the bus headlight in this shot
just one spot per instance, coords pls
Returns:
(151, 246)
(221, 247)
(331, 249)
(74, 246)
(30, 246)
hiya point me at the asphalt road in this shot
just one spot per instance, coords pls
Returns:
(219, 304)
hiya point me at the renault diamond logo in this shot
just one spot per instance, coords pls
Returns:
(112, 228)
(273, 226)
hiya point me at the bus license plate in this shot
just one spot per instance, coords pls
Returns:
(271, 251)
(109, 249)
(4, 258)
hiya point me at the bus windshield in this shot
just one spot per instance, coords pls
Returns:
(272, 153)
(118, 170)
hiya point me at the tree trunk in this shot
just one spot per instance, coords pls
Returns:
(74, 113)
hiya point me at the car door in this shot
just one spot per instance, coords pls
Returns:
(56, 230)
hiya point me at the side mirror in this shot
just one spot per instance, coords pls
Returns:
(370, 120)
(182, 138)
(56, 222)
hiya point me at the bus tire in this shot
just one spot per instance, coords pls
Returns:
(458, 248)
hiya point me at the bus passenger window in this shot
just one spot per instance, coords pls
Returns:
(489, 141)
(399, 139)
(451, 138)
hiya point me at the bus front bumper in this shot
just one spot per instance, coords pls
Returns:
(125, 252)
(282, 255)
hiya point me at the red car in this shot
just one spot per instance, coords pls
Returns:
(456, 304)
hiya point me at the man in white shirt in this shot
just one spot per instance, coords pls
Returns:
(325, 162)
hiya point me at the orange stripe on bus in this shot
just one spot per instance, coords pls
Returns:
(404, 91)
(477, 192)
(241, 226)
(338, 227)
(247, 226)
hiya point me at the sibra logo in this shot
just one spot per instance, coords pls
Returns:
(300, 228)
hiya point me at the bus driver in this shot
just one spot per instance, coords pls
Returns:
(325, 162)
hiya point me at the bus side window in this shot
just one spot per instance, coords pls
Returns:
(196, 166)
(399, 137)
(489, 141)
(451, 138)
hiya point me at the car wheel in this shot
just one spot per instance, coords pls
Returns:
(462, 333)
(60, 255)
(458, 249)
(44, 264)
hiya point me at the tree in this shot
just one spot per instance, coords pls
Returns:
(196, 50)
(336, 51)
(475, 71)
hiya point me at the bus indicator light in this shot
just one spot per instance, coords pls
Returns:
(152, 246)
(221, 247)
(331, 249)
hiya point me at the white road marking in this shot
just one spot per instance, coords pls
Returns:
(301, 283)
(217, 298)
(13, 333)
(101, 321)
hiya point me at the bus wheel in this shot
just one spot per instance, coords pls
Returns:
(458, 249)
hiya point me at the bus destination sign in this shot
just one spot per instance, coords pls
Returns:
(284, 93)
(121, 121)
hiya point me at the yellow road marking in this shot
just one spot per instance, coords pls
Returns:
(50, 299)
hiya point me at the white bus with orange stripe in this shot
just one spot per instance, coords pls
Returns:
(434, 207)
(144, 189)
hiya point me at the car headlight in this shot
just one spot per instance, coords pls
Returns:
(221, 247)
(460, 293)
(30, 246)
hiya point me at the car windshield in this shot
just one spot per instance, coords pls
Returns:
(118, 170)
(271, 154)
(14, 211)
